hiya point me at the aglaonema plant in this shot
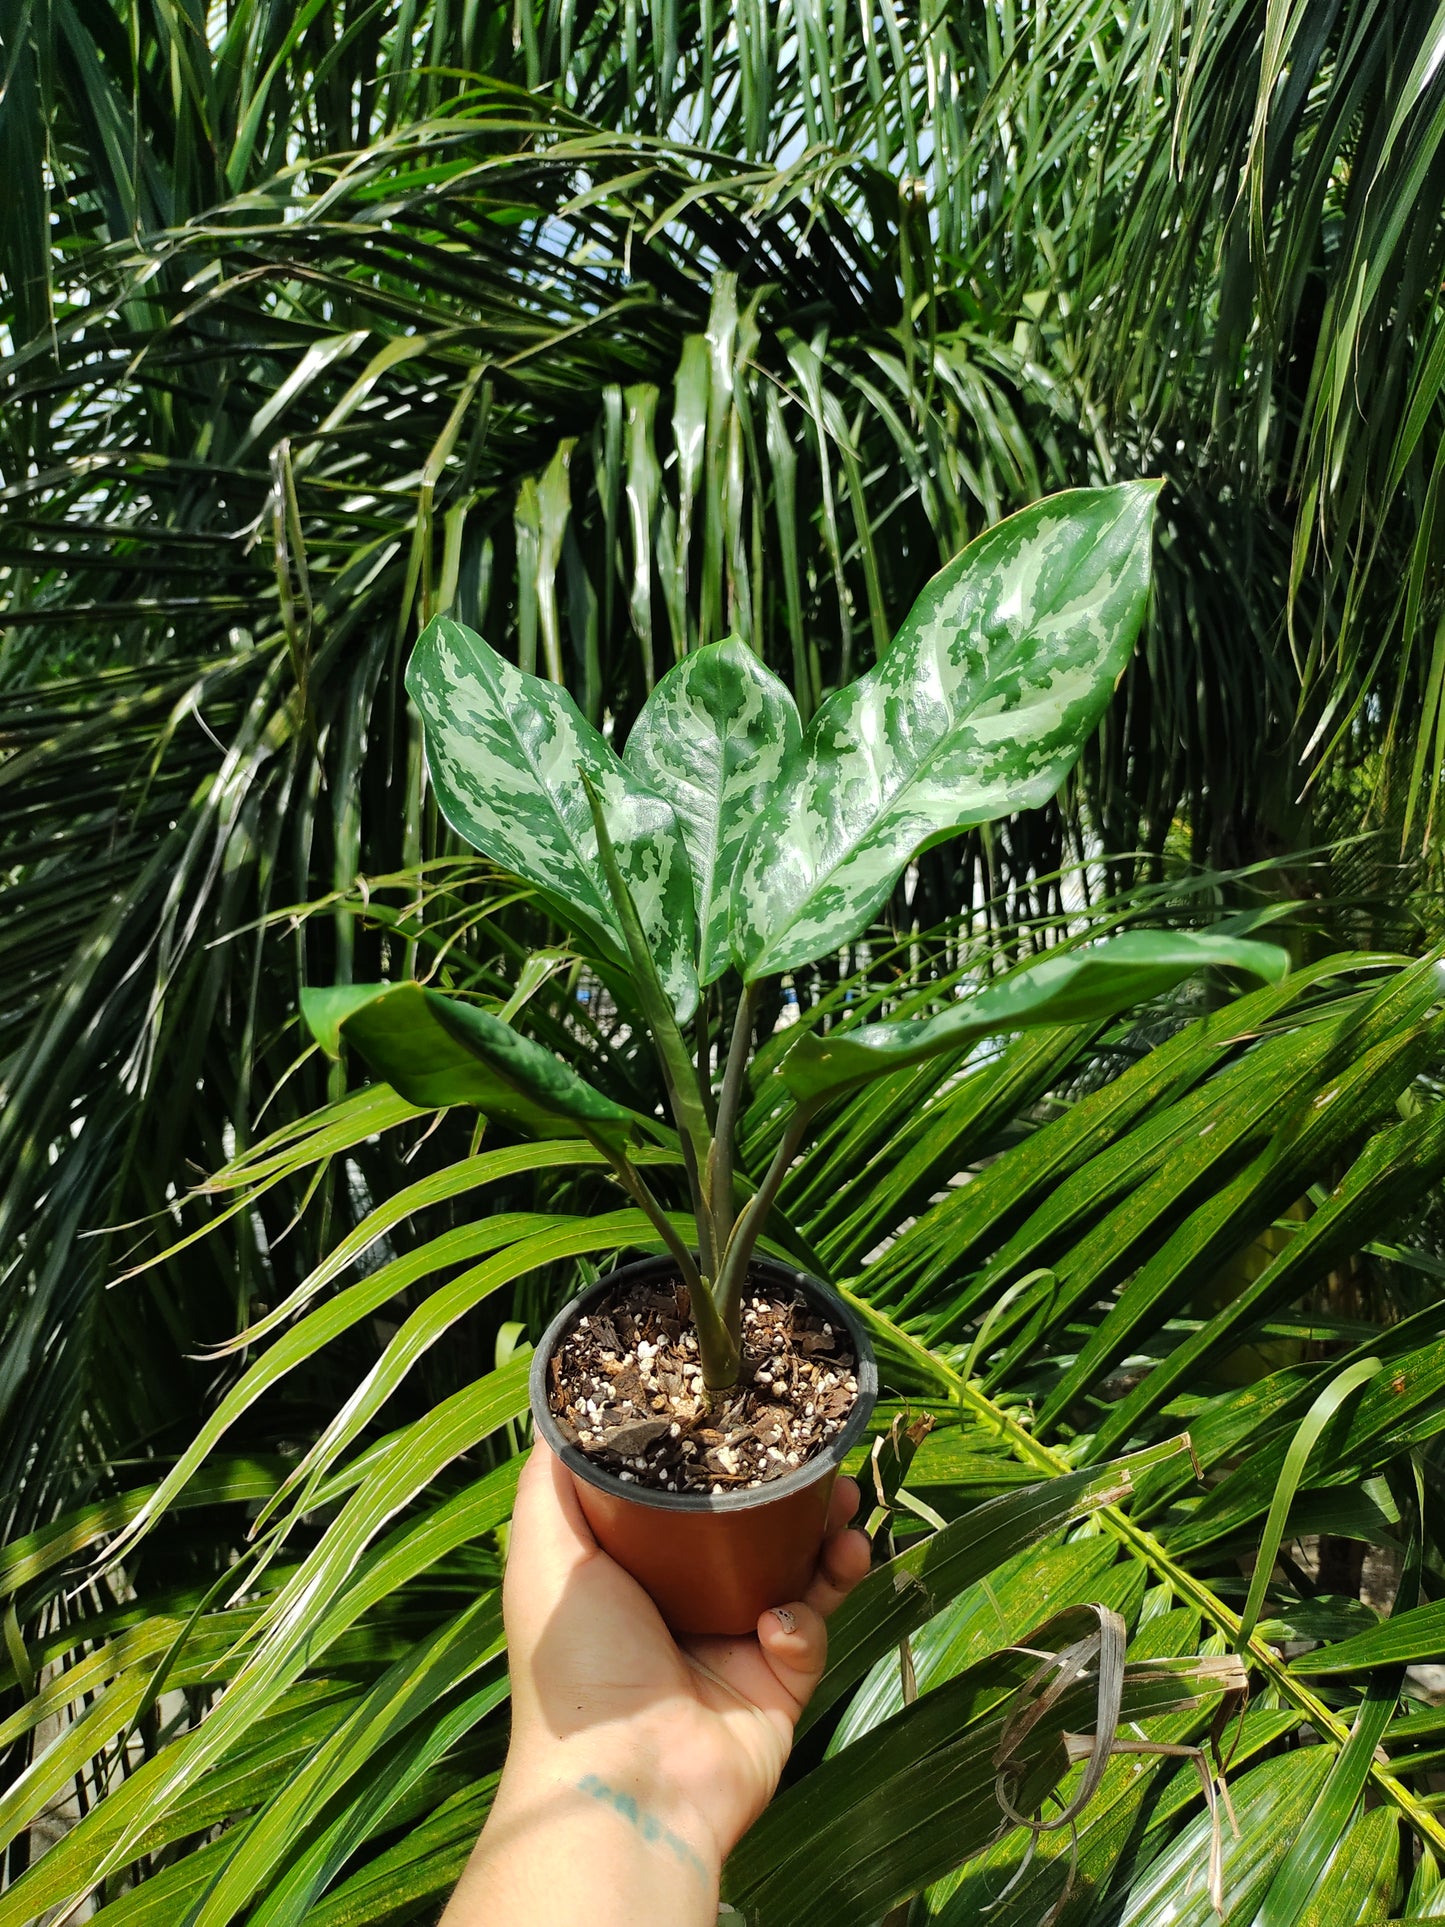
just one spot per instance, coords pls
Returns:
(726, 838)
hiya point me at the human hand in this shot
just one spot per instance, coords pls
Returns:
(601, 1687)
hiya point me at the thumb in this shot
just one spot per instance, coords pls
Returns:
(794, 1641)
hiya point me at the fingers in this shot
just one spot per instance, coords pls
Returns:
(795, 1644)
(793, 1638)
(842, 1505)
(845, 1560)
(547, 1511)
(549, 1538)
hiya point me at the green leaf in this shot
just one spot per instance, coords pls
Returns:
(680, 1075)
(591, 1234)
(32, 1790)
(1309, 1132)
(275, 1745)
(1321, 1835)
(165, 1898)
(914, 1797)
(979, 708)
(1270, 1804)
(1357, 1885)
(1302, 1444)
(1413, 1636)
(1384, 1182)
(437, 1187)
(321, 1326)
(1137, 1794)
(1323, 1618)
(425, 1861)
(1082, 986)
(290, 1624)
(435, 1051)
(405, 1694)
(716, 736)
(224, 1481)
(505, 751)
(994, 1612)
(897, 1598)
(1398, 1409)
(1066, 1160)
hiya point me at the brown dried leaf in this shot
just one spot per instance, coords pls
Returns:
(635, 1437)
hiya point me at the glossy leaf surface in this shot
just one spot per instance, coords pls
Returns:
(434, 1051)
(994, 1612)
(717, 735)
(1270, 1804)
(911, 1588)
(508, 302)
(505, 750)
(979, 707)
(1083, 986)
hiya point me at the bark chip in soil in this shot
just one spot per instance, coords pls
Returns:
(625, 1387)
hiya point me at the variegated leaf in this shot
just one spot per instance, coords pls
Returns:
(1081, 986)
(435, 1051)
(715, 738)
(505, 751)
(979, 708)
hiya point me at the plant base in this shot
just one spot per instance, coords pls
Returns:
(711, 1561)
(627, 1389)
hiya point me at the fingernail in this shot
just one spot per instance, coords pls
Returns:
(785, 1619)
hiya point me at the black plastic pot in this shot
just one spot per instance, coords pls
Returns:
(712, 1562)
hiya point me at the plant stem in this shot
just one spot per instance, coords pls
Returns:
(704, 1058)
(679, 1072)
(717, 1347)
(701, 1203)
(642, 1195)
(715, 1343)
(748, 1229)
(730, 1099)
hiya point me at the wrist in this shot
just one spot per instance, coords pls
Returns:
(587, 1833)
(617, 1772)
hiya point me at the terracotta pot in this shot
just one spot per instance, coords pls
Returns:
(712, 1562)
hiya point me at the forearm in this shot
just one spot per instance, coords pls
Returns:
(574, 1838)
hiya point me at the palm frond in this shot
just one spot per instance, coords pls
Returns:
(1085, 1204)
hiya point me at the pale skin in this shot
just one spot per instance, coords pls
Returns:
(637, 1761)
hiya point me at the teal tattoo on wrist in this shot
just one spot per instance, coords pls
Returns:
(647, 1824)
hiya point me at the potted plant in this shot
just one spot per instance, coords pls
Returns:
(704, 1399)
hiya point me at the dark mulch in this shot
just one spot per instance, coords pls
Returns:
(626, 1388)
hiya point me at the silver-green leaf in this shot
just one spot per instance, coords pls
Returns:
(716, 737)
(505, 751)
(435, 1051)
(979, 708)
(1080, 986)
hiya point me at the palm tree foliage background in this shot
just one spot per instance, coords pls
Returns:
(612, 329)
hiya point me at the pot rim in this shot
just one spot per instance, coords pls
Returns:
(750, 1497)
